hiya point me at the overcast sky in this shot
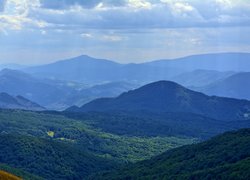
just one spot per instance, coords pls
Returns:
(43, 31)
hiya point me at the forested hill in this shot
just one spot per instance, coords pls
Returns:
(226, 156)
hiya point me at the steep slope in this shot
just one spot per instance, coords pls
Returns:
(226, 156)
(235, 86)
(18, 102)
(166, 96)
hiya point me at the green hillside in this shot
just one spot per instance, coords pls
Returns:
(226, 156)
(52, 145)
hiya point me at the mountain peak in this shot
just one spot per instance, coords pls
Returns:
(167, 96)
(163, 85)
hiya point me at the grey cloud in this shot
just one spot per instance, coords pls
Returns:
(121, 18)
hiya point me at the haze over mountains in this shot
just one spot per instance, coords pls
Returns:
(201, 77)
(55, 94)
(79, 80)
(90, 70)
(217, 62)
(236, 86)
(126, 113)
(18, 102)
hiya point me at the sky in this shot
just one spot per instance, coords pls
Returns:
(44, 31)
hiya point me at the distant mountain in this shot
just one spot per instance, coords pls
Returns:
(93, 71)
(218, 62)
(235, 86)
(82, 68)
(86, 95)
(55, 94)
(166, 96)
(90, 70)
(12, 66)
(18, 102)
(43, 91)
(226, 156)
(200, 77)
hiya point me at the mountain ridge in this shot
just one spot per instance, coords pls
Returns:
(87, 69)
(9, 102)
(235, 86)
(167, 96)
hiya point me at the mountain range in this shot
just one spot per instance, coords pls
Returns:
(201, 77)
(218, 62)
(235, 86)
(130, 122)
(9, 102)
(93, 71)
(89, 70)
(55, 94)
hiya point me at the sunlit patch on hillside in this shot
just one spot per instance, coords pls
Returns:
(7, 176)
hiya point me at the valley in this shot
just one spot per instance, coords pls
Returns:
(69, 128)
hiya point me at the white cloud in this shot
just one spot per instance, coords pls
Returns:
(86, 35)
(141, 4)
(15, 15)
(112, 38)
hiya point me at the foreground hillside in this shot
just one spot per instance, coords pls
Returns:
(226, 156)
(18, 172)
(52, 146)
(49, 159)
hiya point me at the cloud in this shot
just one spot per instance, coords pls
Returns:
(144, 29)
(140, 4)
(99, 14)
(124, 14)
(15, 15)
(86, 35)
(112, 38)
(66, 4)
